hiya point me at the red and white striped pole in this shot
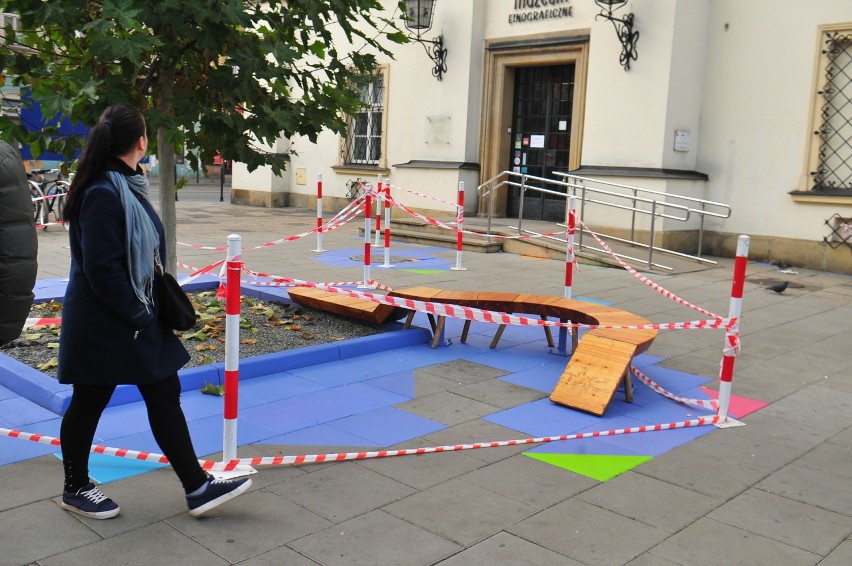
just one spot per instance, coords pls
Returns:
(732, 334)
(460, 226)
(379, 198)
(319, 214)
(232, 346)
(570, 259)
(368, 225)
(387, 243)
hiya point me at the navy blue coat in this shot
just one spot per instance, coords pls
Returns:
(108, 337)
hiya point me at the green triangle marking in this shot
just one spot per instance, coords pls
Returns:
(425, 271)
(595, 466)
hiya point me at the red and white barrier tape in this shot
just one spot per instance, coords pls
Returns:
(348, 213)
(447, 226)
(343, 456)
(33, 322)
(498, 317)
(712, 404)
(423, 195)
(278, 281)
(664, 292)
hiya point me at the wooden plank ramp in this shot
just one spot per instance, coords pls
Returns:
(343, 305)
(596, 368)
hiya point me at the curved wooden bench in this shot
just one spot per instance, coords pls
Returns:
(599, 361)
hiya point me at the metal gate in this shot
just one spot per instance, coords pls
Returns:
(541, 135)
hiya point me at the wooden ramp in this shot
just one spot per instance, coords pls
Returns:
(343, 305)
(597, 367)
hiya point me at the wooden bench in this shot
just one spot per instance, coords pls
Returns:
(343, 305)
(599, 362)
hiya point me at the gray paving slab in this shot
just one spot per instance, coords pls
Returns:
(478, 431)
(462, 371)
(48, 530)
(279, 556)
(840, 556)
(152, 544)
(588, 533)
(342, 492)
(448, 408)
(822, 488)
(426, 384)
(529, 481)
(422, 471)
(657, 503)
(250, 525)
(504, 548)
(784, 520)
(696, 471)
(377, 537)
(499, 393)
(709, 543)
(842, 438)
(30, 481)
(460, 511)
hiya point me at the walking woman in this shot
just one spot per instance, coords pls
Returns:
(110, 331)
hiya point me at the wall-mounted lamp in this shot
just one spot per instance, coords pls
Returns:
(623, 28)
(418, 19)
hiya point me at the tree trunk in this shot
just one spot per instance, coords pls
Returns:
(166, 174)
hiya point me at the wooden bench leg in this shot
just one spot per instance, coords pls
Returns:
(408, 320)
(547, 333)
(431, 321)
(575, 339)
(465, 331)
(439, 331)
(497, 336)
(628, 385)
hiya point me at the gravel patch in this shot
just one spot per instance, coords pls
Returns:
(265, 327)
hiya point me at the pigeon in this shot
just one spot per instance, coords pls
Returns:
(779, 287)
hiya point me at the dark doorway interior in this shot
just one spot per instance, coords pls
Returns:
(541, 136)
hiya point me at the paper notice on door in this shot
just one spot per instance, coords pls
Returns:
(537, 140)
(563, 125)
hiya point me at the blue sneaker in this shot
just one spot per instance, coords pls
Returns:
(88, 501)
(217, 492)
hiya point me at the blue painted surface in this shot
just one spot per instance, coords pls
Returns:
(331, 396)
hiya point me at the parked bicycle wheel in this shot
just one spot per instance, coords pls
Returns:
(55, 201)
(38, 203)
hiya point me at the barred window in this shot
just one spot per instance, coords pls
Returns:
(831, 153)
(363, 143)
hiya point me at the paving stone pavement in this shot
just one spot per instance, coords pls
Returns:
(776, 491)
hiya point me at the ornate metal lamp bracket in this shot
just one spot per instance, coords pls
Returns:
(627, 36)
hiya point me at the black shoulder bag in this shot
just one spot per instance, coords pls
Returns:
(176, 310)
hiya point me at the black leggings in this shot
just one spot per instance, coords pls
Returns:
(168, 424)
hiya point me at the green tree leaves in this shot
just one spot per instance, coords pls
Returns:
(212, 76)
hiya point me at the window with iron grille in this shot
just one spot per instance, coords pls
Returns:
(363, 143)
(831, 163)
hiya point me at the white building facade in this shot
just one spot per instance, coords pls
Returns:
(747, 103)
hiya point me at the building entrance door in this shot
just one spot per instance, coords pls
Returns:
(541, 136)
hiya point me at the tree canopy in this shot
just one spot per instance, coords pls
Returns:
(212, 76)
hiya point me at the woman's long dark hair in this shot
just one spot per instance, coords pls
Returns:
(115, 134)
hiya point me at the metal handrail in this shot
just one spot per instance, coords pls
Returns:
(701, 212)
(575, 183)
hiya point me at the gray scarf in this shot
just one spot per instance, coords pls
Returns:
(143, 241)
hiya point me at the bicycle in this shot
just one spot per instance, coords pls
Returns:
(48, 195)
